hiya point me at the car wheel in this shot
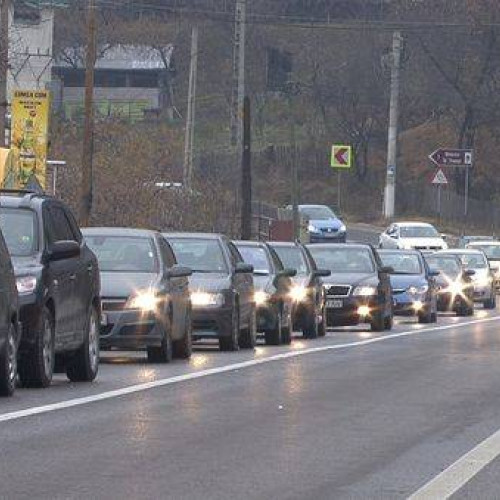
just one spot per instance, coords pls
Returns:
(36, 366)
(434, 317)
(377, 323)
(389, 322)
(231, 342)
(8, 364)
(425, 317)
(286, 333)
(311, 325)
(83, 365)
(273, 337)
(183, 348)
(491, 303)
(322, 324)
(248, 338)
(163, 353)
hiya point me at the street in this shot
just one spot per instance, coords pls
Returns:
(353, 415)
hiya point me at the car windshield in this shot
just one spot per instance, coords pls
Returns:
(473, 260)
(124, 254)
(19, 230)
(418, 232)
(340, 259)
(317, 213)
(402, 263)
(448, 265)
(293, 258)
(491, 251)
(201, 255)
(258, 258)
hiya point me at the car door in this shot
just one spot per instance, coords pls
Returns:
(62, 275)
(243, 284)
(6, 273)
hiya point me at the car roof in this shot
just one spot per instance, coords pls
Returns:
(284, 244)
(397, 251)
(313, 206)
(484, 242)
(194, 236)
(415, 224)
(241, 243)
(312, 246)
(13, 198)
(119, 231)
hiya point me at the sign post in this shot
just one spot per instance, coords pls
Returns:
(439, 180)
(341, 159)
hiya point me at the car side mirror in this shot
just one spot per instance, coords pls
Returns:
(321, 273)
(469, 273)
(394, 236)
(434, 273)
(179, 272)
(243, 268)
(288, 273)
(386, 270)
(444, 236)
(62, 250)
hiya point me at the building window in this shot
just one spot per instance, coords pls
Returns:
(147, 80)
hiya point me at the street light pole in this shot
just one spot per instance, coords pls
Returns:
(390, 187)
(4, 65)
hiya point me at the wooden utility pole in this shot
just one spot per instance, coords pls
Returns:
(191, 112)
(246, 174)
(4, 64)
(88, 135)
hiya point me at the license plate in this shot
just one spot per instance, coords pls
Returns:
(104, 319)
(335, 304)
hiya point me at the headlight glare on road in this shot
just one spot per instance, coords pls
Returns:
(146, 301)
(26, 284)
(298, 293)
(207, 299)
(365, 291)
(261, 298)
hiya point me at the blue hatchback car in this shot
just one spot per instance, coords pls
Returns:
(323, 224)
(414, 286)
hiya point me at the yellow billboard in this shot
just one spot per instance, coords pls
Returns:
(29, 139)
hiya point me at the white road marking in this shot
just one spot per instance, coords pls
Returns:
(71, 403)
(461, 472)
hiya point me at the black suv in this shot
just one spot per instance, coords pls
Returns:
(57, 279)
(9, 323)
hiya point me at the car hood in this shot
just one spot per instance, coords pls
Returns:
(353, 279)
(26, 265)
(326, 223)
(424, 242)
(403, 281)
(119, 285)
(210, 282)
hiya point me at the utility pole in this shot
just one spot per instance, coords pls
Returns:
(392, 146)
(238, 77)
(88, 134)
(190, 119)
(4, 64)
(246, 174)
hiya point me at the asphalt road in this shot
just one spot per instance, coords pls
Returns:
(354, 415)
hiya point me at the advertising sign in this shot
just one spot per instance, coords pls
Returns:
(30, 127)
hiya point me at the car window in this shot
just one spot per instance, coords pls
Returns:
(448, 265)
(59, 227)
(491, 251)
(74, 225)
(293, 258)
(402, 263)
(343, 259)
(167, 253)
(258, 258)
(201, 255)
(418, 232)
(19, 227)
(473, 260)
(235, 255)
(126, 254)
(317, 213)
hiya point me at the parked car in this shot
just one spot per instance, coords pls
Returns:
(483, 278)
(58, 283)
(308, 309)
(359, 288)
(323, 224)
(414, 286)
(412, 236)
(222, 290)
(466, 240)
(492, 252)
(145, 293)
(10, 328)
(455, 289)
(273, 285)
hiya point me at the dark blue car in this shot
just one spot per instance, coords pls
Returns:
(323, 225)
(414, 286)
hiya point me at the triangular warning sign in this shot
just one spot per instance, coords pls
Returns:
(440, 178)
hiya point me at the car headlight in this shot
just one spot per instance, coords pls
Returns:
(416, 290)
(365, 291)
(455, 287)
(207, 299)
(313, 229)
(342, 228)
(298, 293)
(261, 297)
(26, 284)
(146, 301)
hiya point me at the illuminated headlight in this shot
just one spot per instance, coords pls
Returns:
(298, 293)
(146, 301)
(455, 288)
(364, 311)
(416, 290)
(207, 299)
(26, 284)
(342, 228)
(313, 229)
(261, 298)
(365, 291)
(418, 305)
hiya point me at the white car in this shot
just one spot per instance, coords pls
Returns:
(412, 236)
(492, 251)
(483, 279)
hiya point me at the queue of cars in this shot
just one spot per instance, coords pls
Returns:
(68, 293)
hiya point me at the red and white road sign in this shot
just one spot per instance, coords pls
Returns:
(440, 178)
(341, 156)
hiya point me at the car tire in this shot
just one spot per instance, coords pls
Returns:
(8, 363)
(36, 365)
(230, 343)
(491, 303)
(83, 365)
(273, 337)
(322, 324)
(311, 325)
(183, 348)
(248, 337)
(434, 317)
(163, 353)
(389, 322)
(377, 323)
(425, 317)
